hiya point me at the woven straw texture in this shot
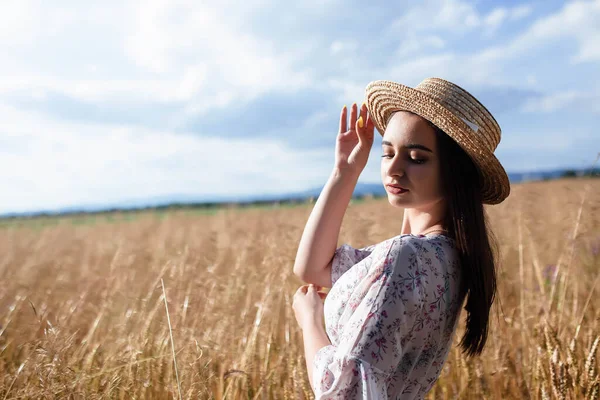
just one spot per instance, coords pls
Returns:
(447, 105)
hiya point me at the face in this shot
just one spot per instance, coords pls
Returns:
(410, 161)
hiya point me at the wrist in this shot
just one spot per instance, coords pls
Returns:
(313, 323)
(345, 175)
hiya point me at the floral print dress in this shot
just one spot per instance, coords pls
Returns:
(390, 315)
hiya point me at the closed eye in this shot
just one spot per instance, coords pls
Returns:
(413, 160)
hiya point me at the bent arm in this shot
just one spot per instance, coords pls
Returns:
(319, 239)
(315, 338)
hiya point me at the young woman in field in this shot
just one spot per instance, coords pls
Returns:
(393, 307)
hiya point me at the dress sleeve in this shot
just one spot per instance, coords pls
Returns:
(371, 343)
(345, 257)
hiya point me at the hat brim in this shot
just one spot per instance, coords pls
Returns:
(385, 97)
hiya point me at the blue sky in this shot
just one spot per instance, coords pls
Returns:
(114, 100)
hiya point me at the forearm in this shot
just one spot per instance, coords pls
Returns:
(320, 236)
(315, 338)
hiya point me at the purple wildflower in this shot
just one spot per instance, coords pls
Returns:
(549, 273)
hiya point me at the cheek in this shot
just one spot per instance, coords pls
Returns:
(426, 176)
(384, 169)
(420, 171)
(433, 177)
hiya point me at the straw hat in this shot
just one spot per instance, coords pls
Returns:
(457, 113)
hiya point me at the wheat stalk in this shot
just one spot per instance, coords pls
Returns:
(14, 379)
(171, 336)
(590, 362)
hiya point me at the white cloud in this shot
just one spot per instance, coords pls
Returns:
(174, 51)
(552, 141)
(561, 100)
(170, 34)
(19, 23)
(531, 80)
(488, 66)
(83, 164)
(176, 89)
(521, 11)
(347, 90)
(499, 15)
(343, 46)
(531, 151)
(577, 20)
(316, 119)
(454, 16)
(414, 70)
(495, 18)
(446, 15)
(414, 44)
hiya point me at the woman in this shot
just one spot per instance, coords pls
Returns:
(393, 307)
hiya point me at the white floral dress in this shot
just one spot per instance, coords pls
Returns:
(391, 316)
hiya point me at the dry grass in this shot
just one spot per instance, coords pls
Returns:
(82, 310)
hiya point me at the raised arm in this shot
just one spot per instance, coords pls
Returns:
(320, 236)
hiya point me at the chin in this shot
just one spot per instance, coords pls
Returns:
(397, 201)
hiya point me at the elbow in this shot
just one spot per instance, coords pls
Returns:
(300, 272)
(302, 278)
(318, 276)
(301, 267)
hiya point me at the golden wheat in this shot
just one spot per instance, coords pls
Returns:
(83, 309)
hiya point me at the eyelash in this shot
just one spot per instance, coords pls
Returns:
(416, 161)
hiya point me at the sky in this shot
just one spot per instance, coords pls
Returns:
(107, 101)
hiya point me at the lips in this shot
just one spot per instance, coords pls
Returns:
(395, 189)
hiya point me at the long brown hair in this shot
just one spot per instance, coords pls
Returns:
(466, 222)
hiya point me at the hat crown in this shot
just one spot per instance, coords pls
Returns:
(483, 126)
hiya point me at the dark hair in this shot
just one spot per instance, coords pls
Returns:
(466, 222)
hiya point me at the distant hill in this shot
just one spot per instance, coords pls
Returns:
(361, 189)
(516, 177)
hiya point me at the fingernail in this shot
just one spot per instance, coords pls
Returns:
(360, 121)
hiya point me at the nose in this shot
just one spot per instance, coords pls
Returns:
(396, 167)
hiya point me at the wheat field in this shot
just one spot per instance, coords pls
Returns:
(194, 304)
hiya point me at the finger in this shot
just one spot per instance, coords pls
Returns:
(353, 117)
(311, 288)
(343, 118)
(360, 131)
(368, 123)
(322, 295)
(363, 115)
(301, 289)
(369, 127)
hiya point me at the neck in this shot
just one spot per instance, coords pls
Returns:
(422, 221)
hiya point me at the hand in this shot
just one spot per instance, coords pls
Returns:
(308, 305)
(354, 144)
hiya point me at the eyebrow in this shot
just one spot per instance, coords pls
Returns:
(408, 146)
